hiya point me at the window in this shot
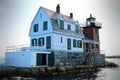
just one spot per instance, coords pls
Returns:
(35, 28)
(41, 41)
(45, 25)
(79, 44)
(74, 43)
(97, 45)
(92, 46)
(69, 44)
(61, 24)
(48, 42)
(61, 40)
(34, 42)
(76, 29)
(69, 27)
(96, 31)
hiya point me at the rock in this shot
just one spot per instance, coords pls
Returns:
(51, 69)
(24, 71)
(68, 68)
(60, 69)
(110, 64)
(35, 70)
(42, 70)
(54, 73)
(16, 78)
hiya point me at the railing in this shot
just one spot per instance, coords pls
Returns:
(26, 48)
(96, 24)
(102, 51)
(16, 48)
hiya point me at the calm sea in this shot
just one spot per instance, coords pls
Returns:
(109, 73)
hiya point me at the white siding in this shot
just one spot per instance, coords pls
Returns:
(57, 45)
(44, 36)
(21, 59)
(40, 17)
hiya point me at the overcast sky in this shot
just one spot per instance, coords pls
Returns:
(16, 17)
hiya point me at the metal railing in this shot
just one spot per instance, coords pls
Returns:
(16, 48)
(96, 24)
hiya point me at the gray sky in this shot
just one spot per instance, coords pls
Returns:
(16, 17)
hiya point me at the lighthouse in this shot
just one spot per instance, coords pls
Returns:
(91, 33)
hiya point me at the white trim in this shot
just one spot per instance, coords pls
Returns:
(91, 41)
(67, 34)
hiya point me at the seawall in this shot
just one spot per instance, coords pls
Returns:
(52, 70)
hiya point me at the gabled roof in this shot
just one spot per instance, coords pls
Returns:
(55, 15)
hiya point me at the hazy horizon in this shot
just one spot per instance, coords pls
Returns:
(16, 17)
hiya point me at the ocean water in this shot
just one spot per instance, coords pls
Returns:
(109, 73)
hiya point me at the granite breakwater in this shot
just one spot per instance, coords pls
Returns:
(6, 71)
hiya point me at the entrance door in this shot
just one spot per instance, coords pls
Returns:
(43, 59)
(39, 59)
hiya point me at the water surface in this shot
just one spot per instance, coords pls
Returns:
(110, 73)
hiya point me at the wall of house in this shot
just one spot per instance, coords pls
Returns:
(56, 44)
(43, 47)
(40, 17)
(61, 45)
(20, 59)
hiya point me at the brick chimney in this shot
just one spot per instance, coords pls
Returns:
(58, 8)
(71, 15)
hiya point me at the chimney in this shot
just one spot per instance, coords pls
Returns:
(58, 8)
(71, 15)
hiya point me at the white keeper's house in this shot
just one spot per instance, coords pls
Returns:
(56, 39)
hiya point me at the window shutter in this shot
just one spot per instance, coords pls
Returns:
(74, 43)
(43, 41)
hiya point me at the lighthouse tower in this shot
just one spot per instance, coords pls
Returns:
(91, 33)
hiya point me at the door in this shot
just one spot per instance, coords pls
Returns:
(39, 59)
(69, 44)
(43, 59)
(48, 42)
(51, 59)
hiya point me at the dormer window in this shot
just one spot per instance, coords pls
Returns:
(61, 24)
(76, 29)
(69, 27)
(45, 25)
(35, 29)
